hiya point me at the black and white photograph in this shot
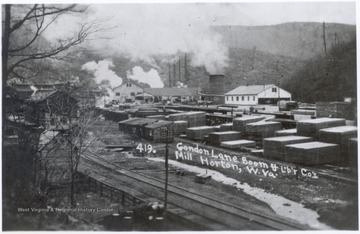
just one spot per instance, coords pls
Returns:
(179, 116)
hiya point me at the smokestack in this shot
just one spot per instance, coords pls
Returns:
(169, 75)
(186, 74)
(217, 88)
(174, 77)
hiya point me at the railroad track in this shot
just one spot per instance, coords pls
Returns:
(233, 217)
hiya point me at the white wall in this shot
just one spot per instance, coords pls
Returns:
(253, 99)
(279, 93)
(125, 90)
(241, 100)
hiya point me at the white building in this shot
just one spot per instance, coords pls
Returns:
(127, 91)
(256, 94)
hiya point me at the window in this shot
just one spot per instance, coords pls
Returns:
(248, 98)
(132, 94)
(242, 98)
(232, 98)
(253, 98)
(117, 94)
(227, 98)
(274, 90)
(237, 98)
(128, 84)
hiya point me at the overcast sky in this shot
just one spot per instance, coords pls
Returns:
(242, 13)
(145, 30)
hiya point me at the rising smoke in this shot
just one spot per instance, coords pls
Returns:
(143, 31)
(102, 73)
(151, 77)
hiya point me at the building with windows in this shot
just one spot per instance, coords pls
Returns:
(161, 94)
(127, 91)
(256, 94)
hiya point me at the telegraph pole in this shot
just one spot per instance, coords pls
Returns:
(166, 168)
(174, 79)
(324, 37)
(179, 68)
(169, 75)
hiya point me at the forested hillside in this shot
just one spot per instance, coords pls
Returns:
(302, 40)
(290, 55)
(329, 78)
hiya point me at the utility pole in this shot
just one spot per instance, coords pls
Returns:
(179, 69)
(336, 38)
(174, 80)
(169, 75)
(186, 73)
(166, 168)
(324, 37)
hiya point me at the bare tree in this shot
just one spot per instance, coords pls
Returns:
(31, 21)
(23, 40)
(71, 134)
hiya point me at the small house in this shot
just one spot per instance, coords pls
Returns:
(127, 91)
(256, 95)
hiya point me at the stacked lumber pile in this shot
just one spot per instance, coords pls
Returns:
(180, 127)
(177, 116)
(217, 128)
(239, 124)
(353, 153)
(311, 127)
(123, 124)
(161, 131)
(194, 118)
(226, 127)
(215, 138)
(237, 144)
(338, 135)
(335, 110)
(159, 117)
(286, 132)
(303, 114)
(262, 129)
(312, 153)
(198, 133)
(274, 147)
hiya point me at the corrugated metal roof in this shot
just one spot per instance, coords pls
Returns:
(249, 89)
(171, 91)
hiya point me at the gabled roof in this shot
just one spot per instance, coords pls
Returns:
(249, 89)
(140, 85)
(171, 91)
